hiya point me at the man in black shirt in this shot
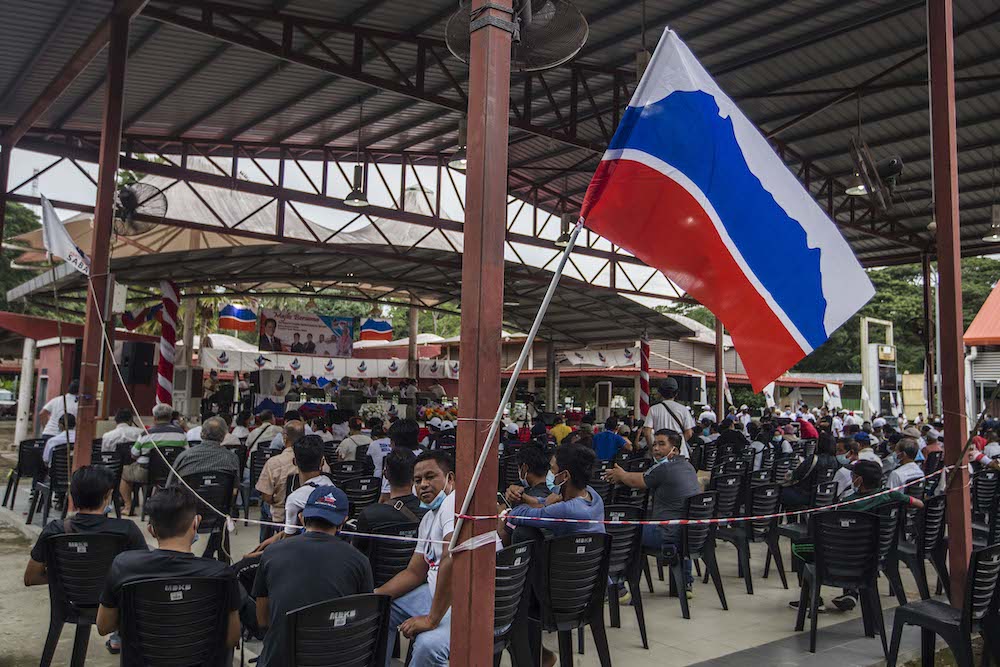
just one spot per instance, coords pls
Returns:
(307, 569)
(91, 488)
(401, 507)
(173, 521)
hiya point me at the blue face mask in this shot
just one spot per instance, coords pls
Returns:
(842, 459)
(550, 481)
(434, 504)
(657, 460)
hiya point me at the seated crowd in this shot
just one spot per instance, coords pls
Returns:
(306, 514)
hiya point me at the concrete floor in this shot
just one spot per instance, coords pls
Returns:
(760, 625)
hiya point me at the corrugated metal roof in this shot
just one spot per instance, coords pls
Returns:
(780, 59)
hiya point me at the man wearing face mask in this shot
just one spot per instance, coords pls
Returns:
(91, 488)
(672, 480)
(533, 472)
(173, 522)
(421, 594)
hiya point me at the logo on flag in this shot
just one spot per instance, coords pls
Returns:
(578, 355)
(600, 355)
(262, 361)
(223, 358)
(453, 368)
(58, 242)
(329, 366)
(628, 354)
(362, 367)
(393, 366)
(295, 365)
(687, 170)
(434, 366)
(375, 328)
(236, 317)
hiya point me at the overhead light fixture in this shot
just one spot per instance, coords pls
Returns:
(856, 186)
(459, 159)
(564, 225)
(357, 195)
(308, 288)
(350, 281)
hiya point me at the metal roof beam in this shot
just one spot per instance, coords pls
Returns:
(83, 56)
(28, 66)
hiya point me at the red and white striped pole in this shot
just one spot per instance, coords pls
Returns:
(168, 343)
(643, 377)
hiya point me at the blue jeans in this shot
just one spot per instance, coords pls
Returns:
(431, 648)
(654, 537)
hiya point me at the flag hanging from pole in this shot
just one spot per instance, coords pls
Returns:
(375, 328)
(691, 187)
(237, 317)
(58, 242)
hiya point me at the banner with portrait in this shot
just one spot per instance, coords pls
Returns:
(311, 334)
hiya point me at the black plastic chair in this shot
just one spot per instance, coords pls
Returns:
(161, 459)
(978, 613)
(928, 544)
(56, 483)
(112, 462)
(932, 464)
(984, 493)
(175, 622)
(241, 455)
(509, 583)
(846, 556)
(570, 579)
(889, 517)
(348, 631)
(76, 565)
(625, 563)
(29, 464)
(763, 500)
(390, 557)
(823, 494)
(330, 452)
(508, 472)
(257, 460)
(216, 490)
(600, 486)
(362, 491)
(341, 471)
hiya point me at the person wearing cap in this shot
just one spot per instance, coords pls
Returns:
(707, 414)
(433, 427)
(669, 414)
(314, 567)
(446, 437)
(348, 448)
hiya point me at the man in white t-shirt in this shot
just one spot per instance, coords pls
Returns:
(669, 414)
(707, 413)
(55, 408)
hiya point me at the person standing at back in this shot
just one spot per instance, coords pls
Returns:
(608, 443)
(274, 474)
(669, 414)
(310, 568)
(380, 445)
(58, 406)
(559, 429)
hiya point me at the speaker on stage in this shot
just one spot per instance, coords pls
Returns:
(688, 389)
(137, 362)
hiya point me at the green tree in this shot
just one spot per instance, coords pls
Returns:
(20, 219)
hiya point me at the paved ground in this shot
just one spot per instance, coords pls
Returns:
(756, 629)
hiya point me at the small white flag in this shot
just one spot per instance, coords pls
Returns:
(59, 243)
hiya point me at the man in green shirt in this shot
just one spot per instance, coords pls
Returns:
(161, 434)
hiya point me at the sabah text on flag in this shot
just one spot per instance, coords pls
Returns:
(692, 188)
(374, 328)
(236, 317)
(58, 242)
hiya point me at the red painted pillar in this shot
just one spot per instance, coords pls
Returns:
(482, 313)
(100, 248)
(941, 57)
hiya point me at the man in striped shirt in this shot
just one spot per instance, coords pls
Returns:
(161, 434)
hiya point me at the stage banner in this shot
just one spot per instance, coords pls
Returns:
(295, 364)
(330, 369)
(306, 333)
(628, 356)
(362, 368)
(392, 368)
(433, 368)
(223, 360)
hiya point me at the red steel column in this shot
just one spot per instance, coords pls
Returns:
(941, 56)
(482, 314)
(100, 248)
(720, 368)
(929, 361)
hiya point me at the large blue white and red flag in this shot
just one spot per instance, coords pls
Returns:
(135, 318)
(691, 187)
(375, 328)
(236, 317)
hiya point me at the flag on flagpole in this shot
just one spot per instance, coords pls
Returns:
(58, 242)
(237, 317)
(134, 319)
(768, 392)
(375, 328)
(691, 187)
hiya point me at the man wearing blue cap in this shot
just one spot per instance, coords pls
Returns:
(306, 569)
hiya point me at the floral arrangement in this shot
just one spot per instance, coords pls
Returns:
(381, 410)
(428, 412)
